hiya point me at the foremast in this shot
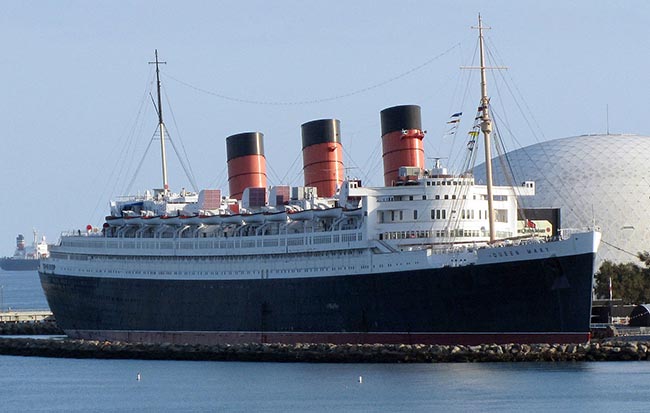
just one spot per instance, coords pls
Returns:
(161, 125)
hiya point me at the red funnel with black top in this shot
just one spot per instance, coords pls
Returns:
(401, 139)
(246, 162)
(322, 155)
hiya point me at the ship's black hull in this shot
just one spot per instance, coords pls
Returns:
(522, 301)
(18, 264)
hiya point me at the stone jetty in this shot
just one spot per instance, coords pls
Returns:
(329, 353)
(30, 329)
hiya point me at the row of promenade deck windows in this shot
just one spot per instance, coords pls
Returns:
(501, 215)
(454, 233)
(395, 198)
(335, 255)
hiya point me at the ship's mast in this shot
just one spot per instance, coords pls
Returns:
(161, 126)
(486, 128)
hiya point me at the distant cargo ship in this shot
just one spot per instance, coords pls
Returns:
(430, 257)
(25, 258)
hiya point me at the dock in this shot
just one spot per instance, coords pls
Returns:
(26, 316)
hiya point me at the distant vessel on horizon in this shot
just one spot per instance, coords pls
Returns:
(26, 258)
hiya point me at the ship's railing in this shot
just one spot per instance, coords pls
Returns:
(567, 232)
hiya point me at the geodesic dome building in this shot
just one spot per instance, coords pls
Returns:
(601, 180)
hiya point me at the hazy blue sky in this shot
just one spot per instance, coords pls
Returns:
(76, 116)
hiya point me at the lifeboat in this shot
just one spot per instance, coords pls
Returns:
(356, 212)
(169, 220)
(276, 216)
(155, 220)
(304, 215)
(190, 220)
(137, 220)
(257, 218)
(232, 219)
(211, 219)
(328, 212)
(115, 221)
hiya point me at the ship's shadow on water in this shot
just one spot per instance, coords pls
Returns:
(37, 384)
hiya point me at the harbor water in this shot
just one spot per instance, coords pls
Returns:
(35, 384)
(21, 290)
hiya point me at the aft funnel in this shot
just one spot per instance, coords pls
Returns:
(401, 138)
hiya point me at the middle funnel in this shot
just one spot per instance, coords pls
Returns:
(322, 155)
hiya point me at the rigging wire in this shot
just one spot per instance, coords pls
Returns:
(291, 168)
(560, 187)
(319, 100)
(137, 170)
(186, 164)
(124, 145)
(619, 248)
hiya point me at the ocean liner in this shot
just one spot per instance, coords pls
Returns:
(430, 257)
(25, 258)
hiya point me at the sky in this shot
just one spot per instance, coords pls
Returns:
(77, 115)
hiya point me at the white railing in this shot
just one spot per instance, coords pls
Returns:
(220, 246)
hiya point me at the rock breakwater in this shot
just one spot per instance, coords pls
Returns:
(30, 329)
(329, 353)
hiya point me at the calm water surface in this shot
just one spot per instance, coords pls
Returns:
(21, 290)
(42, 384)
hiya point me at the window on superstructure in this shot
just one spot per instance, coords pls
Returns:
(446, 196)
(401, 215)
(415, 214)
(453, 197)
(501, 215)
(437, 196)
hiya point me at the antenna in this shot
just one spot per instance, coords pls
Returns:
(161, 124)
(607, 116)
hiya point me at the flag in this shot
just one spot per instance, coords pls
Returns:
(473, 133)
(455, 118)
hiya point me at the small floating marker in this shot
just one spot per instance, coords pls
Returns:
(360, 379)
(138, 377)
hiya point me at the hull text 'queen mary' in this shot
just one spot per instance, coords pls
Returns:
(430, 257)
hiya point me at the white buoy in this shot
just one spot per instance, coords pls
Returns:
(138, 377)
(360, 379)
